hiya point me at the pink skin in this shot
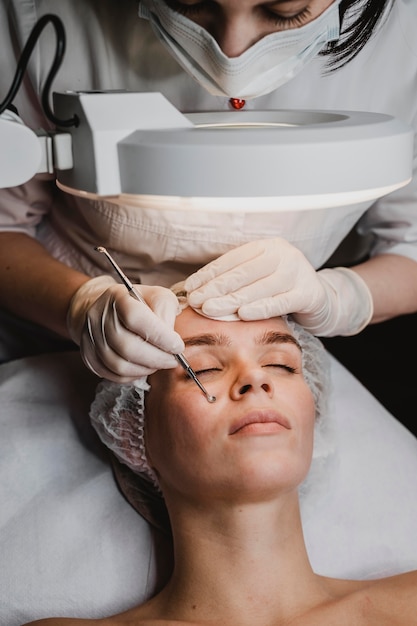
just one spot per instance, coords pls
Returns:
(238, 24)
(260, 429)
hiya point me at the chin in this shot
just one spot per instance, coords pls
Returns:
(276, 478)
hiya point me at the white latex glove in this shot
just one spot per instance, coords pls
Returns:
(120, 338)
(271, 277)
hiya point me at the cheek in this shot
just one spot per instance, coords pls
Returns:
(173, 431)
(309, 409)
(299, 399)
(309, 425)
(303, 416)
(305, 410)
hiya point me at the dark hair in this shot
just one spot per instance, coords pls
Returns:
(362, 18)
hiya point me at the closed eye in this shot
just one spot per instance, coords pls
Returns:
(206, 371)
(288, 368)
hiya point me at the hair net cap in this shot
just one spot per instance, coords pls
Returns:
(118, 416)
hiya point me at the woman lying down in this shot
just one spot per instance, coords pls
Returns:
(230, 474)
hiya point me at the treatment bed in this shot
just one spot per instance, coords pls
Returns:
(71, 545)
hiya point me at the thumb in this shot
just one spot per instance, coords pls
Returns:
(164, 303)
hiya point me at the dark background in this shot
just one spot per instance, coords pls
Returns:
(383, 358)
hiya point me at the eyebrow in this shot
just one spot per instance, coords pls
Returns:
(274, 336)
(219, 339)
(207, 339)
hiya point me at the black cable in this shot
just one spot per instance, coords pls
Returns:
(24, 60)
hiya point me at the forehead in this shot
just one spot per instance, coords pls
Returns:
(189, 323)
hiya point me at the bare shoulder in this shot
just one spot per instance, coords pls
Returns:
(125, 619)
(402, 585)
(65, 621)
(131, 617)
(391, 600)
(71, 621)
(56, 621)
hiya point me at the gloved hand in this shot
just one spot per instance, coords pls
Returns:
(271, 277)
(120, 338)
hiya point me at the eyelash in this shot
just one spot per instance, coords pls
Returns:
(288, 368)
(193, 10)
(288, 22)
(209, 369)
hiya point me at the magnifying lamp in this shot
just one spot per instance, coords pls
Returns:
(137, 148)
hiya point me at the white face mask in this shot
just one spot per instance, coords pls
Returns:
(263, 67)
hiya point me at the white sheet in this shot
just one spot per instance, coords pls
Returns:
(70, 545)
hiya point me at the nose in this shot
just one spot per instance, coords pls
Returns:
(252, 381)
(235, 35)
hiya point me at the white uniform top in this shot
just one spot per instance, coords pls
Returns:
(110, 47)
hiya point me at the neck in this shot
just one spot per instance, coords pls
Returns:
(247, 563)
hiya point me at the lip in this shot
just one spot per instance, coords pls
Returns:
(260, 422)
